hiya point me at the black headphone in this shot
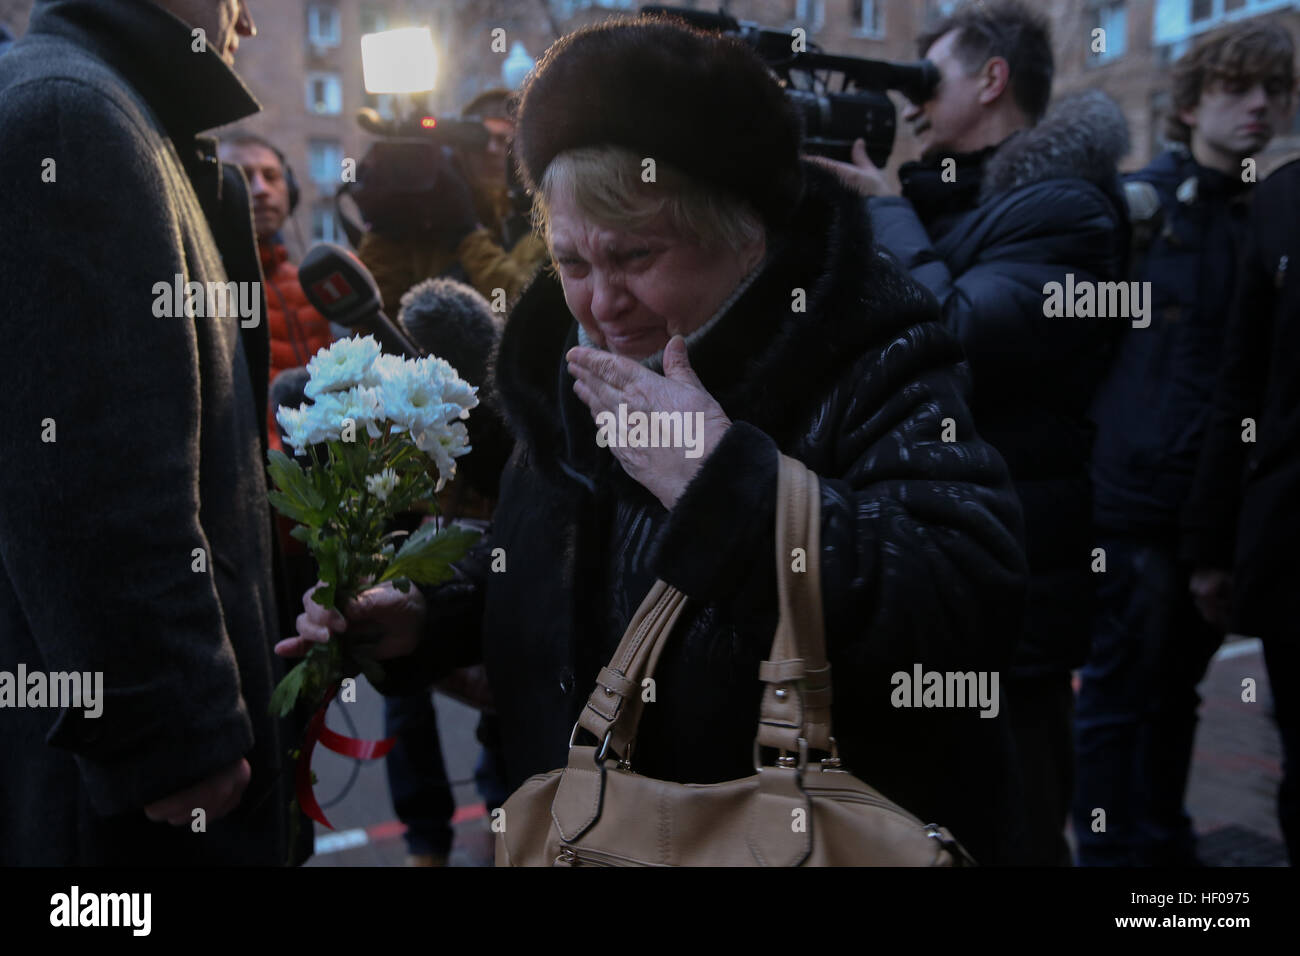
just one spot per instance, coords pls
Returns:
(290, 180)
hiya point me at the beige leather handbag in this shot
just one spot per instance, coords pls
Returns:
(597, 811)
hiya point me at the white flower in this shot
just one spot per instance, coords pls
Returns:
(444, 444)
(341, 366)
(425, 394)
(365, 406)
(383, 368)
(324, 419)
(383, 484)
(310, 425)
(294, 423)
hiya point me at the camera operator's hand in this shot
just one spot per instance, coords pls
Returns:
(861, 175)
(455, 215)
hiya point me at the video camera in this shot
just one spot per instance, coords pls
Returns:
(398, 179)
(421, 125)
(832, 119)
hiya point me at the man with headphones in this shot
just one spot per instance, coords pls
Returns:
(297, 330)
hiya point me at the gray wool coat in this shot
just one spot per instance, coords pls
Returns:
(158, 450)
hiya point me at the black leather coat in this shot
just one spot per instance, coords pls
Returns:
(921, 558)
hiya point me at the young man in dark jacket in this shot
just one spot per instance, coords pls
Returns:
(1006, 202)
(1241, 512)
(1137, 703)
(135, 537)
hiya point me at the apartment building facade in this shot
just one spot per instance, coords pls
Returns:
(306, 69)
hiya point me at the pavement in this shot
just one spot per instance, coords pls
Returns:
(1231, 795)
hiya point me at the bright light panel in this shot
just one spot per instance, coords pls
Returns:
(399, 61)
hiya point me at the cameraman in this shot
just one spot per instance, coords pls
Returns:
(472, 208)
(1000, 205)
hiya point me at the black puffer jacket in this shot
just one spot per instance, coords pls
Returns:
(921, 560)
(1044, 204)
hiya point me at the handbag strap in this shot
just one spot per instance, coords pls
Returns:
(613, 711)
(796, 701)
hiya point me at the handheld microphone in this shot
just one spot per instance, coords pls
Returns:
(342, 289)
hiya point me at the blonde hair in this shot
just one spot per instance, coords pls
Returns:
(604, 184)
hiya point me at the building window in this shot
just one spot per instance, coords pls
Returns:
(324, 224)
(1177, 20)
(326, 160)
(374, 19)
(810, 14)
(324, 93)
(938, 9)
(1112, 17)
(564, 9)
(868, 17)
(323, 26)
(381, 103)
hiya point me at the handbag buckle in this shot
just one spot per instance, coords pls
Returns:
(784, 758)
(833, 764)
(602, 752)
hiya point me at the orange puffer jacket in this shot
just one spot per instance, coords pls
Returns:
(298, 331)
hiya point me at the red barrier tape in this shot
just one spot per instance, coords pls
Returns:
(317, 732)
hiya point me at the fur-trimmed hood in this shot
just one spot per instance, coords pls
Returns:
(1083, 136)
(760, 359)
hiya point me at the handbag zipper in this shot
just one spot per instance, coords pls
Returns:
(570, 856)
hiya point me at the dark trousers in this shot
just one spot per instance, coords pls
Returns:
(1282, 656)
(1136, 713)
(1040, 709)
(417, 778)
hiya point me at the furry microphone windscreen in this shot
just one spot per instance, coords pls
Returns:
(451, 320)
(289, 388)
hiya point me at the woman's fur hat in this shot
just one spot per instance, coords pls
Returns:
(700, 102)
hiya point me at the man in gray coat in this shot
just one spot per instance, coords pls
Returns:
(137, 602)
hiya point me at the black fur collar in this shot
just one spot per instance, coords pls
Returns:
(764, 363)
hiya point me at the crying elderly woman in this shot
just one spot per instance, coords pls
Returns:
(701, 267)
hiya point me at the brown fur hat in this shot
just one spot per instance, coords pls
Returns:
(700, 102)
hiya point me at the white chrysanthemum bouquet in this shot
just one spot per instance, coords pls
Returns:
(380, 427)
